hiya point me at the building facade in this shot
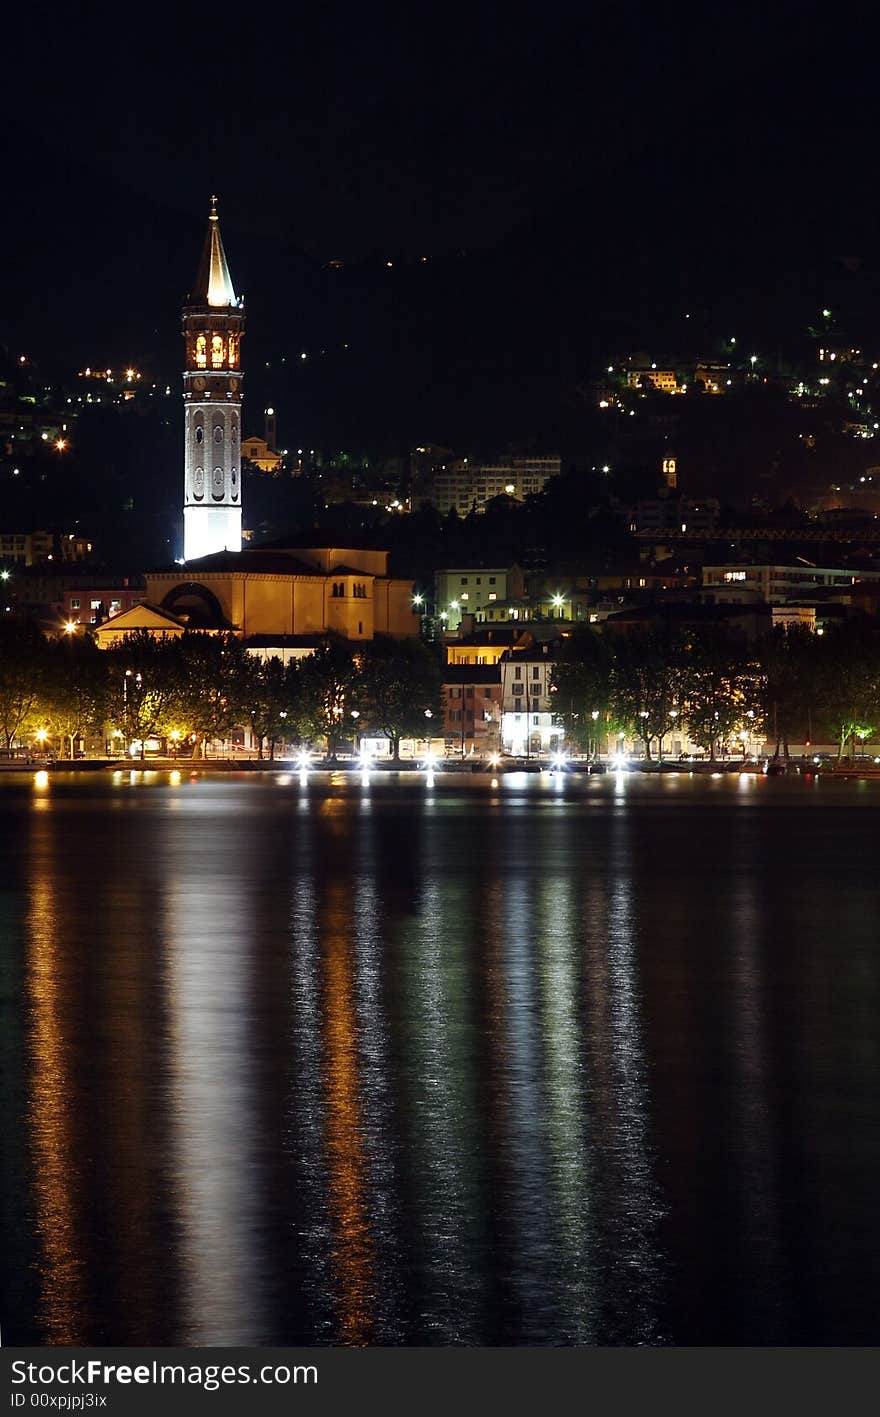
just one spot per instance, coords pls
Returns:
(292, 590)
(774, 584)
(472, 710)
(528, 725)
(261, 454)
(469, 590)
(468, 486)
(34, 548)
(213, 325)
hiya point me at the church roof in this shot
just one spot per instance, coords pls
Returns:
(213, 284)
(241, 562)
(143, 616)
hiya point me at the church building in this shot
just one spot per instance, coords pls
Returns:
(289, 591)
(280, 598)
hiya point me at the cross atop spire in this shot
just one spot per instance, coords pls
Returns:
(213, 283)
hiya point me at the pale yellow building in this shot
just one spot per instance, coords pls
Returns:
(483, 646)
(157, 622)
(663, 380)
(289, 590)
(259, 452)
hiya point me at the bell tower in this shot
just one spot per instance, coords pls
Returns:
(213, 325)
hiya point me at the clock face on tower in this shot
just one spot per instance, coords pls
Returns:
(199, 383)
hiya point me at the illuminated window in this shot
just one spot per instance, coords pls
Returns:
(201, 351)
(217, 351)
(233, 353)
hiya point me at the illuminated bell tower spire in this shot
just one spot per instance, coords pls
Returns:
(213, 324)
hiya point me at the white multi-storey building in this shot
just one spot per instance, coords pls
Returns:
(527, 718)
(468, 486)
(775, 584)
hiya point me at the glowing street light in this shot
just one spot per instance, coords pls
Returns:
(69, 627)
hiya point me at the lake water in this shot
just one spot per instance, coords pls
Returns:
(545, 1061)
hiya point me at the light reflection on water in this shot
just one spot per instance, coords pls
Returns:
(520, 1060)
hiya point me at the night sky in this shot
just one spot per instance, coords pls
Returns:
(577, 178)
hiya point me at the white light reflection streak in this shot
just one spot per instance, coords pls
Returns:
(525, 1157)
(307, 1122)
(213, 1107)
(565, 1123)
(636, 1206)
(437, 1069)
(376, 1091)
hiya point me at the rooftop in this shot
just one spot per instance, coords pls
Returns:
(213, 284)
